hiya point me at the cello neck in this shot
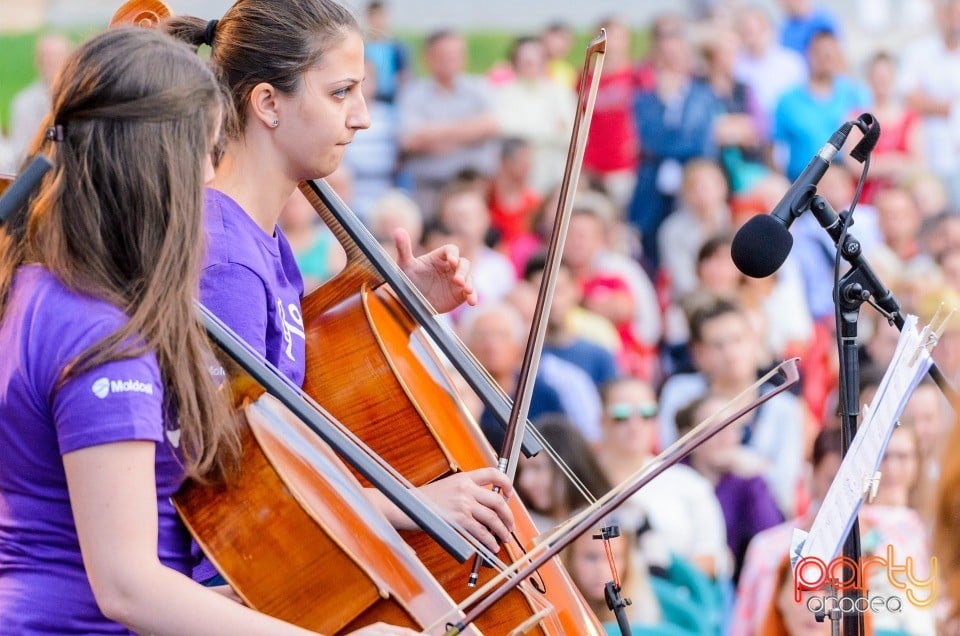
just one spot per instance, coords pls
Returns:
(366, 253)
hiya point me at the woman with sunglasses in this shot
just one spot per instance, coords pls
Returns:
(679, 507)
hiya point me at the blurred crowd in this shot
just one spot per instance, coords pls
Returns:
(652, 327)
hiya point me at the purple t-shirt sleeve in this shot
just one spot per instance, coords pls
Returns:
(236, 295)
(118, 401)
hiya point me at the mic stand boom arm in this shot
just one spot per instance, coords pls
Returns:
(862, 283)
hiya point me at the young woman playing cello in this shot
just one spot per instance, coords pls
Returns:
(293, 69)
(106, 400)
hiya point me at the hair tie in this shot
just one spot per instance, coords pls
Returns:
(55, 133)
(208, 32)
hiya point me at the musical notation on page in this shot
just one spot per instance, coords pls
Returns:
(858, 477)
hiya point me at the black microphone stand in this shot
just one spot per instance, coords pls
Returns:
(857, 286)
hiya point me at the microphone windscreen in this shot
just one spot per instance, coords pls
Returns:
(761, 246)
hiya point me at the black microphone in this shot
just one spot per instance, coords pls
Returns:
(761, 246)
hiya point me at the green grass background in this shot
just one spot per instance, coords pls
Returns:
(484, 48)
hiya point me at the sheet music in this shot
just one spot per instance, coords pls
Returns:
(910, 363)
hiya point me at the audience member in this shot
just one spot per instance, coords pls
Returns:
(464, 215)
(803, 21)
(495, 334)
(615, 287)
(588, 564)
(808, 114)
(675, 120)
(392, 210)
(613, 145)
(538, 110)
(514, 203)
(891, 529)
(558, 40)
(898, 152)
(899, 221)
(741, 128)
(388, 55)
(928, 192)
(373, 154)
(447, 121)
(702, 213)
(31, 105)
(927, 414)
(930, 80)
(767, 67)
(725, 351)
(560, 341)
(759, 581)
(548, 493)
(315, 248)
(748, 507)
(679, 505)
(811, 262)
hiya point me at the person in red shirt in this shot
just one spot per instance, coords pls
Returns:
(513, 201)
(613, 145)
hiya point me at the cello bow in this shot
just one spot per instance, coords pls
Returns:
(552, 544)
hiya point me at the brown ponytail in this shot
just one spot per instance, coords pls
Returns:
(265, 41)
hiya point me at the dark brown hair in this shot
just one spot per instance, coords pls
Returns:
(265, 41)
(572, 447)
(704, 314)
(686, 418)
(119, 216)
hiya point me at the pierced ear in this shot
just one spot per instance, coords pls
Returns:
(264, 104)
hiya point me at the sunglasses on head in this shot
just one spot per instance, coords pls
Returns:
(622, 411)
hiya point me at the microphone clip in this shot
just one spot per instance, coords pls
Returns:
(870, 128)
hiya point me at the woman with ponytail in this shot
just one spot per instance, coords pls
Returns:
(106, 401)
(293, 70)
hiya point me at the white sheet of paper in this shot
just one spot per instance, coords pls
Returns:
(847, 492)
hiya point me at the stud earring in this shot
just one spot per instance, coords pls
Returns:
(275, 123)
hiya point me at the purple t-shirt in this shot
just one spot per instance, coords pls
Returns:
(43, 584)
(748, 508)
(251, 281)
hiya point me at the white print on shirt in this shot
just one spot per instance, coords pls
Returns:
(173, 436)
(289, 329)
(105, 386)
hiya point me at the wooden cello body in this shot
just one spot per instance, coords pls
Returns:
(370, 365)
(296, 539)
